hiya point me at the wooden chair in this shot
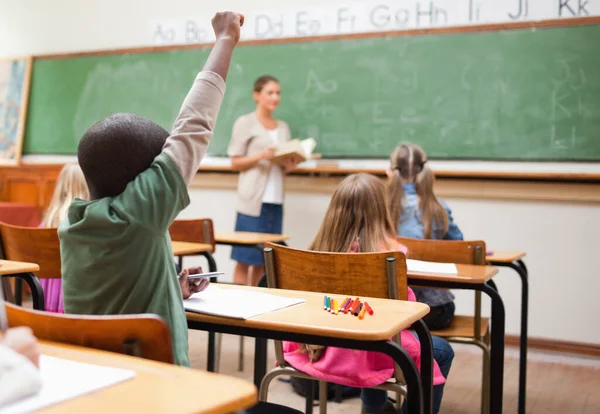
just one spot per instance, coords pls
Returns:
(145, 336)
(33, 245)
(473, 330)
(202, 231)
(336, 273)
(195, 231)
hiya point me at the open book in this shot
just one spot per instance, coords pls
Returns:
(299, 151)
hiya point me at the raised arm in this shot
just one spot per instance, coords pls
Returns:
(193, 128)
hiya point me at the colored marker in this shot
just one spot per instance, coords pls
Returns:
(354, 305)
(349, 305)
(369, 309)
(345, 305)
(325, 303)
(489, 253)
(337, 307)
(357, 311)
(361, 314)
(332, 305)
(328, 303)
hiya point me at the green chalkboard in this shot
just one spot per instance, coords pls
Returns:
(519, 94)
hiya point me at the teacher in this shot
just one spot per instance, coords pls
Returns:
(253, 145)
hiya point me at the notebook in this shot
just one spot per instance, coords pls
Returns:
(419, 266)
(64, 380)
(236, 303)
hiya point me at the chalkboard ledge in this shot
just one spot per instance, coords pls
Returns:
(588, 172)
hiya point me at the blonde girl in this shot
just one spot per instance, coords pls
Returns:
(358, 220)
(70, 184)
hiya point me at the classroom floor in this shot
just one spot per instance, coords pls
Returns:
(557, 383)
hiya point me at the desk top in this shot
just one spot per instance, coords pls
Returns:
(185, 248)
(473, 274)
(390, 317)
(8, 267)
(243, 237)
(504, 256)
(156, 388)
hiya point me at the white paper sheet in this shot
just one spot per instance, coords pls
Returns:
(236, 303)
(419, 266)
(65, 380)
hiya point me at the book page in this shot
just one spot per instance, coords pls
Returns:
(419, 266)
(64, 380)
(236, 303)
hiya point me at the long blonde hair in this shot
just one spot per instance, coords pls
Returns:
(409, 165)
(70, 184)
(357, 213)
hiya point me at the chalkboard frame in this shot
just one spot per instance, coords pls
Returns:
(565, 22)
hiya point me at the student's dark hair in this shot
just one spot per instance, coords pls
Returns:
(262, 81)
(115, 150)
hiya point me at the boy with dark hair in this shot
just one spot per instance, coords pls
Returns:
(115, 249)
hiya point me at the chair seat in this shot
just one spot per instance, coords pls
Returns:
(269, 408)
(462, 327)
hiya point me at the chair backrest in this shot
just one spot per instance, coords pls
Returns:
(33, 245)
(193, 231)
(378, 275)
(445, 251)
(146, 336)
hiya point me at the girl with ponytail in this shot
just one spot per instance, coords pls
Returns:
(416, 212)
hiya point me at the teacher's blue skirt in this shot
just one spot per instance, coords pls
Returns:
(269, 221)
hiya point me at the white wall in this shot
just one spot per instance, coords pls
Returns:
(558, 237)
(560, 240)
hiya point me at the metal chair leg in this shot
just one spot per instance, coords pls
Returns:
(485, 383)
(322, 397)
(241, 355)
(218, 344)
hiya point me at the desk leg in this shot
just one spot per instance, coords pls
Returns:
(18, 291)
(414, 390)
(521, 270)
(260, 360)
(212, 265)
(37, 293)
(426, 364)
(497, 350)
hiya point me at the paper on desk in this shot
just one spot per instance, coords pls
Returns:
(64, 380)
(236, 303)
(420, 266)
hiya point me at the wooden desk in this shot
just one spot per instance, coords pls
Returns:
(8, 267)
(309, 323)
(471, 274)
(21, 271)
(156, 388)
(190, 249)
(248, 239)
(514, 260)
(474, 277)
(181, 249)
(504, 256)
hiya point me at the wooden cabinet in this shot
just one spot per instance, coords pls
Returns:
(32, 184)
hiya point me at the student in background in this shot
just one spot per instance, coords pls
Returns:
(417, 213)
(116, 251)
(356, 221)
(70, 185)
(260, 189)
